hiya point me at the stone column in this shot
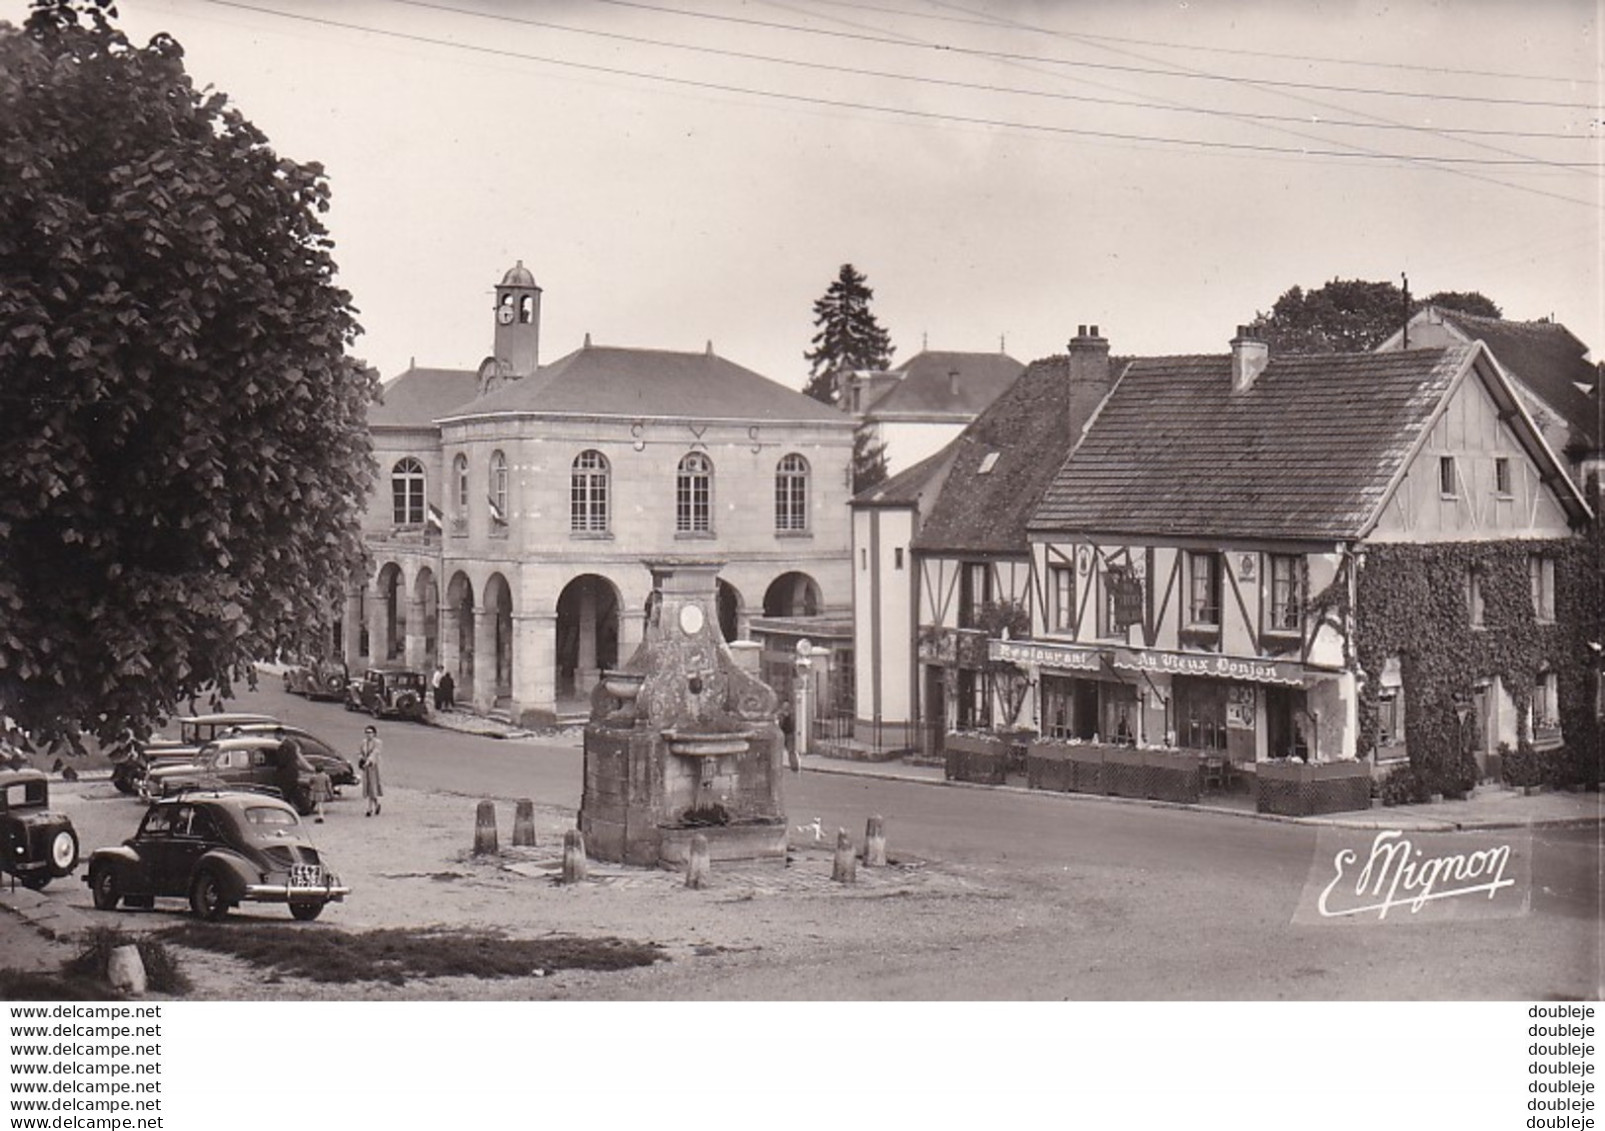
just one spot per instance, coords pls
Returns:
(535, 666)
(378, 632)
(586, 670)
(351, 630)
(632, 627)
(416, 646)
(484, 659)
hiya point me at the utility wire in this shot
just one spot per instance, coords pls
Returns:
(923, 115)
(1062, 62)
(990, 88)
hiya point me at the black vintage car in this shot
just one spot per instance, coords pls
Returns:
(249, 759)
(390, 693)
(218, 850)
(317, 678)
(36, 845)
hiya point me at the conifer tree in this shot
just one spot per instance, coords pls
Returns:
(849, 338)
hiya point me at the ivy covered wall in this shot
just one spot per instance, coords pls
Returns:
(1411, 602)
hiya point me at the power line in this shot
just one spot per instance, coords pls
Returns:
(990, 88)
(924, 115)
(1216, 49)
(955, 49)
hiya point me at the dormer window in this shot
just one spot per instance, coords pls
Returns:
(988, 462)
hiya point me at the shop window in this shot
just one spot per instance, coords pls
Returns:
(1061, 599)
(1203, 590)
(1069, 708)
(1287, 596)
(1200, 713)
(1118, 713)
(1542, 572)
(972, 699)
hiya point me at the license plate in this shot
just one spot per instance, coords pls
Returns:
(306, 875)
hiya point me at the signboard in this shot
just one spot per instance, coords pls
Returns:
(1240, 699)
(1068, 656)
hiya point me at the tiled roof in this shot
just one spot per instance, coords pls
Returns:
(1546, 358)
(1308, 451)
(418, 396)
(1026, 430)
(911, 485)
(611, 381)
(926, 388)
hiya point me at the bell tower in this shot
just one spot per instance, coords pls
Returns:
(518, 322)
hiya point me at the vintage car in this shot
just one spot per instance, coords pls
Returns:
(218, 849)
(317, 678)
(36, 845)
(249, 759)
(390, 693)
(193, 733)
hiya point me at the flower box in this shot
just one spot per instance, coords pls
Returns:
(1304, 789)
(1051, 766)
(979, 758)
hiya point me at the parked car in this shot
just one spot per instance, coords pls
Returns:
(390, 693)
(317, 678)
(193, 733)
(36, 845)
(218, 849)
(249, 759)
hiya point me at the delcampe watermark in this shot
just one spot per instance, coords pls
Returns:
(1388, 875)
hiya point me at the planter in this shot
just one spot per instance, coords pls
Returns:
(1300, 789)
(1048, 767)
(1174, 775)
(1118, 771)
(978, 759)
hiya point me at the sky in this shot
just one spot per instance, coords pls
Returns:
(682, 172)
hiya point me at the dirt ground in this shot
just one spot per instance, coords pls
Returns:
(413, 866)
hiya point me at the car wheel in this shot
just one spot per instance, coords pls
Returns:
(206, 897)
(63, 852)
(33, 881)
(306, 912)
(103, 886)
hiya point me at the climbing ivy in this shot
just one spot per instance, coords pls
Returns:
(1411, 603)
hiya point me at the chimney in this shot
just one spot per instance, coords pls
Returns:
(1249, 358)
(953, 382)
(1089, 378)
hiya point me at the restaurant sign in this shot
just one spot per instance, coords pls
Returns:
(1249, 670)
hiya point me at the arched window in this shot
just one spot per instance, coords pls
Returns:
(693, 495)
(588, 493)
(498, 488)
(407, 492)
(459, 471)
(791, 493)
(526, 309)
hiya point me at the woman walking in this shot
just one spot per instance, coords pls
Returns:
(368, 763)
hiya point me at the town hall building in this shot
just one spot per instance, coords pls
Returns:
(518, 504)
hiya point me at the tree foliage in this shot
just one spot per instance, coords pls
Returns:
(849, 338)
(1350, 316)
(185, 438)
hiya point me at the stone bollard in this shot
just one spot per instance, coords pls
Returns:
(844, 869)
(696, 864)
(125, 970)
(485, 830)
(875, 842)
(574, 868)
(524, 824)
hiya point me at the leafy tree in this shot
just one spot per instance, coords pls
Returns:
(1350, 316)
(848, 338)
(185, 438)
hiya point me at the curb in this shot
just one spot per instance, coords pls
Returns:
(1419, 822)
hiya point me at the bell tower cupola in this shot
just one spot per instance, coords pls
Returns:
(518, 322)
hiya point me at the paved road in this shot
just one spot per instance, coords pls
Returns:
(1095, 899)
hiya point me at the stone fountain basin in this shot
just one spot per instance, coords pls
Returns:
(749, 839)
(708, 744)
(623, 685)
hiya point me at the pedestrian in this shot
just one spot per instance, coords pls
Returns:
(434, 684)
(368, 762)
(291, 770)
(448, 690)
(788, 735)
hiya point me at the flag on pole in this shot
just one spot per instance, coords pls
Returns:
(437, 517)
(496, 514)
